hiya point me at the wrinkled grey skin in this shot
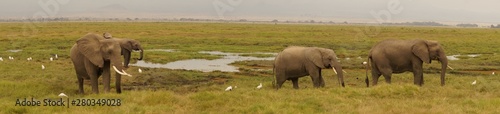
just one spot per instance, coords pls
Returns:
(92, 56)
(295, 62)
(398, 56)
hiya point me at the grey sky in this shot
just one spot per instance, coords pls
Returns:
(456, 11)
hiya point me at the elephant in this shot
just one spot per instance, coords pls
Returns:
(398, 56)
(127, 45)
(295, 62)
(92, 57)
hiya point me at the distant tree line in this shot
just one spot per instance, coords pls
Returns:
(493, 26)
(430, 23)
(467, 25)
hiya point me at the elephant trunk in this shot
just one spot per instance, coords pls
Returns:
(142, 53)
(126, 57)
(444, 65)
(338, 69)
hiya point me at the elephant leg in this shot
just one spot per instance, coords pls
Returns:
(80, 85)
(387, 72)
(280, 79)
(418, 74)
(80, 74)
(375, 75)
(315, 75)
(106, 75)
(418, 77)
(321, 80)
(92, 72)
(118, 83)
(387, 77)
(295, 82)
(422, 79)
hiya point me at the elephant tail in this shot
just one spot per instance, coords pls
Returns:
(366, 67)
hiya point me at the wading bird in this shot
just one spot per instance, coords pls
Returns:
(140, 71)
(43, 67)
(474, 82)
(51, 59)
(229, 88)
(260, 86)
(62, 95)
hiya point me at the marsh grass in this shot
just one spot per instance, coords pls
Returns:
(183, 91)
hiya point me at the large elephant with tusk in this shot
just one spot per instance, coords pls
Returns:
(92, 56)
(295, 62)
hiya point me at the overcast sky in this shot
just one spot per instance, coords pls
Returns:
(457, 11)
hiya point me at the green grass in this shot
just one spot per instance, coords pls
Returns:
(182, 91)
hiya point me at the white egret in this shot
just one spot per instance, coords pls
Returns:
(474, 82)
(229, 88)
(1, 59)
(56, 56)
(62, 95)
(43, 67)
(51, 59)
(140, 71)
(365, 62)
(260, 86)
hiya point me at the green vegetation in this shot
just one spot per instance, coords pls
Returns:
(182, 91)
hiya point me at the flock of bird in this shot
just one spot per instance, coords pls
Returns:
(51, 59)
(31, 58)
(230, 88)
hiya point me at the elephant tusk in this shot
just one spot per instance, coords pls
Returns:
(122, 73)
(334, 70)
(450, 67)
(126, 74)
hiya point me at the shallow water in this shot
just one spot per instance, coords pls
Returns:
(455, 57)
(205, 65)
(164, 50)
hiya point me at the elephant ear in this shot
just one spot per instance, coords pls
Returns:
(90, 46)
(421, 50)
(315, 56)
